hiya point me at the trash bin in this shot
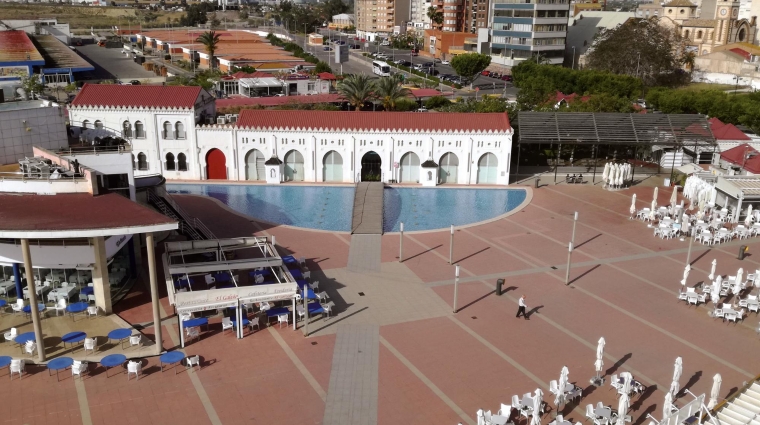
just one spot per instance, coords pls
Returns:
(499, 285)
(538, 181)
(743, 251)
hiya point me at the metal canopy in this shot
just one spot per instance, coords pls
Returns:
(614, 128)
(215, 266)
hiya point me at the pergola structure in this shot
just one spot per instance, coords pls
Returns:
(591, 128)
(81, 215)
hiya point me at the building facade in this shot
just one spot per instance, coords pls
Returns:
(380, 18)
(30, 123)
(523, 29)
(313, 146)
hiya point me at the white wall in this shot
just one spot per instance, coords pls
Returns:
(109, 163)
(34, 125)
(57, 256)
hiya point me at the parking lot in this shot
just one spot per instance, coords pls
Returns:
(111, 64)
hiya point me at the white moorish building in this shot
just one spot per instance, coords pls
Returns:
(171, 132)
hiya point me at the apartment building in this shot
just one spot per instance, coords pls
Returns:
(521, 29)
(380, 18)
(476, 14)
(418, 19)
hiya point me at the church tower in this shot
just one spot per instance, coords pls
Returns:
(726, 16)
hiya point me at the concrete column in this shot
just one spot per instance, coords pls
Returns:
(151, 249)
(100, 282)
(17, 279)
(33, 299)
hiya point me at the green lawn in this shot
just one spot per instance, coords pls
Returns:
(709, 86)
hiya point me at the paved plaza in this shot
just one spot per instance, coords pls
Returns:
(394, 353)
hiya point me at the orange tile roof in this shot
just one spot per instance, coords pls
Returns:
(128, 96)
(15, 46)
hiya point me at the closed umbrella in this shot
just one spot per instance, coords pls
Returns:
(620, 177)
(675, 386)
(563, 379)
(685, 274)
(667, 405)
(599, 363)
(654, 205)
(711, 276)
(627, 381)
(674, 197)
(606, 172)
(633, 205)
(738, 282)
(715, 294)
(656, 192)
(748, 220)
(538, 400)
(622, 408)
(715, 391)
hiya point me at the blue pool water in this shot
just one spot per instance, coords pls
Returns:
(329, 208)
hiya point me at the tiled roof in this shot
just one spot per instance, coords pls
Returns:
(356, 120)
(729, 132)
(277, 101)
(699, 23)
(15, 46)
(744, 156)
(743, 53)
(680, 3)
(326, 76)
(143, 96)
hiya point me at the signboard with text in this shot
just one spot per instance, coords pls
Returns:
(341, 53)
(9, 72)
(229, 297)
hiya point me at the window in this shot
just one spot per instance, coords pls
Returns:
(139, 130)
(98, 124)
(181, 162)
(179, 130)
(85, 124)
(134, 164)
(699, 34)
(170, 165)
(127, 129)
(142, 161)
(686, 34)
(168, 133)
(523, 13)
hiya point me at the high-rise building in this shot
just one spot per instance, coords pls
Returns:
(418, 14)
(521, 29)
(476, 13)
(380, 18)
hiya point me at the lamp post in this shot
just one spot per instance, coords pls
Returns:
(573, 65)
(570, 250)
(736, 86)
(451, 245)
(401, 244)
(456, 286)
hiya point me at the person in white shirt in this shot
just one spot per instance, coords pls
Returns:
(521, 308)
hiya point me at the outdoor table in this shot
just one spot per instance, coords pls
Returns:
(301, 283)
(246, 322)
(59, 293)
(527, 402)
(3, 304)
(201, 321)
(310, 294)
(275, 312)
(264, 272)
(61, 363)
(604, 412)
(24, 338)
(296, 274)
(222, 277)
(569, 388)
(28, 308)
(87, 290)
(73, 338)
(171, 357)
(76, 308)
(120, 335)
(499, 420)
(112, 360)
(315, 308)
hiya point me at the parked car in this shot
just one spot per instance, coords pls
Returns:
(444, 62)
(385, 43)
(428, 64)
(418, 66)
(135, 82)
(422, 109)
(326, 48)
(485, 73)
(494, 75)
(431, 71)
(436, 60)
(415, 53)
(382, 56)
(506, 77)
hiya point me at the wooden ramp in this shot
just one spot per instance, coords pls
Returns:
(366, 228)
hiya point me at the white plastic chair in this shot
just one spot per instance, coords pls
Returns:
(614, 382)
(19, 306)
(90, 298)
(89, 344)
(314, 286)
(79, 368)
(192, 333)
(226, 324)
(306, 274)
(134, 367)
(30, 347)
(17, 366)
(553, 388)
(283, 318)
(516, 402)
(10, 336)
(193, 361)
(60, 306)
(135, 340)
(92, 311)
(505, 410)
(322, 296)
(328, 307)
(590, 412)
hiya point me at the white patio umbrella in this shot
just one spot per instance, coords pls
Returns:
(675, 386)
(748, 220)
(654, 196)
(563, 379)
(715, 391)
(620, 178)
(613, 174)
(738, 282)
(600, 349)
(711, 276)
(715, 294)
(627, 381)
(606, 172)
(667, 405)
(685, 274)
(633, 205)
(654, 205)
(674, 197)
(623, 408)
(538, 400)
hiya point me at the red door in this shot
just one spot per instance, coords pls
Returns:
(216, 165)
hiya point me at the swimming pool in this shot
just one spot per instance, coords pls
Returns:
(330, 207)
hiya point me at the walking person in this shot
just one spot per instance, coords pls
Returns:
(521, 308)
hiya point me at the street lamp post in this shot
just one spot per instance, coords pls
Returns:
(573, 65)
(570, 250)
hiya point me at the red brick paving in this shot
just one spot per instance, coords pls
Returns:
(253, 380)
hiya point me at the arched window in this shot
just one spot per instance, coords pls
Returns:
(686, 34)
(134, 164)
(142, 161)
(681, 11)
(170, 166)
(181, 162)
(139, 130)
(127, 129)
(98, 124)
(487, 169)
(168, 133)
(85, 124)
(699, 34)
(742, 34)
(179, 130)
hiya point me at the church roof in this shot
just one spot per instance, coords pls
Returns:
(680, 3)
(699, 23)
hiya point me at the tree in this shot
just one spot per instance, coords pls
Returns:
(357, 90)
(210, 40)
(322, 67)
(215, 22)
(331, 8)
(470, 65)
(32, 85)
(389, 91)
(435, 15)
(436, 102)
(688, 59)
(641, 48)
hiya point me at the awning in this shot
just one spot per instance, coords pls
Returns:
(690, 169)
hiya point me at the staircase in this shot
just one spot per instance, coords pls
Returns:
(190, 226)
(680, 159)
(743, 409)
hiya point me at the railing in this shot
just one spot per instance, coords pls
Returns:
(86, 150)
(196, 223)
(18, 175)
(184, 227)
(50, 242)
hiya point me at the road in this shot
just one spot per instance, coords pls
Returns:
(357, 64)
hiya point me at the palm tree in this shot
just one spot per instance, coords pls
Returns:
(688, 60)
(209, 39)
(435, 15)
(389, 90)
(357, 89)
